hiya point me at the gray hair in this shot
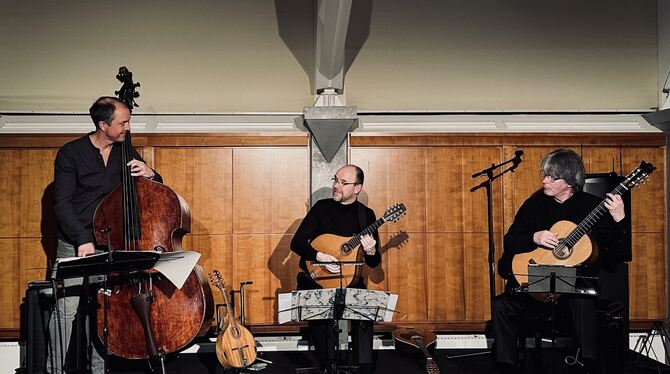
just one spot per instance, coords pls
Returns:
(565, 164)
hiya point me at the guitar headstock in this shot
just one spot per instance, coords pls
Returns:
(395, 212)
(639, 175)
(215, 278)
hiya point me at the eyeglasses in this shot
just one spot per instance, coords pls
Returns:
(550, 177)
(341, 182)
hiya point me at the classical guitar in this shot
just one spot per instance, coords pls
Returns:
(235, 346)
(347, 249)
(411, 340)
(574, 247)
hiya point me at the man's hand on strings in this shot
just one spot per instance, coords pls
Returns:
(324, 257)
(369, 244)
(545, 238)
(614, 204)
(140, 169)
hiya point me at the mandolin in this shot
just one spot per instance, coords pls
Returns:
(235, 346)
(574, 247)
(347, 249)
(411, 340)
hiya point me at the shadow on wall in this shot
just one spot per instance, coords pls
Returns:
(296, 22)
(284, 264)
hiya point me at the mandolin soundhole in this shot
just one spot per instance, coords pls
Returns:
(345, 248)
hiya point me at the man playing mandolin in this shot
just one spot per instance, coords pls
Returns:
(85, 171)
(561, 199)
(342, 215)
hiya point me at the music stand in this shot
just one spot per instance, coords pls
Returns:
(551, 281)
(101, 264)
(336, 304)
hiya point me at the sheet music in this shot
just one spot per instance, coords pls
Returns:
(176, 266)
(361, 304)
(284, 307)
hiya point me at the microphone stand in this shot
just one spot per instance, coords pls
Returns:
(488, 184)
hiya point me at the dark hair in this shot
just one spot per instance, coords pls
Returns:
(565, 164)
(360, 176)
(103, 109)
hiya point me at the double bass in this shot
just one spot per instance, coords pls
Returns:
(148, 316)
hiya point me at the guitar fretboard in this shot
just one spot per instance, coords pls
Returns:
(587, 224)
(356, 240)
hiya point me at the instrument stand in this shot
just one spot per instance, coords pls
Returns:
(552, 282)
(644, 344)
(331, 304)
(488, 184)
(103, 264)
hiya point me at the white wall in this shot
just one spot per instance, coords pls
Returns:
(207, 56)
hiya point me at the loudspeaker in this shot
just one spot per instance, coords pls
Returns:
(38, 303)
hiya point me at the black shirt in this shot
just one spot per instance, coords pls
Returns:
(81, 181)
(540, 212)
(328, 216)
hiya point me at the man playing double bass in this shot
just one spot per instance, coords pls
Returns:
(341, 215)
(85, 171)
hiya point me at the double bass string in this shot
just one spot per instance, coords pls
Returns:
(130, 211)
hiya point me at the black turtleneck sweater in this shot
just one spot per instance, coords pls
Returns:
(328, 216)
(540, 212)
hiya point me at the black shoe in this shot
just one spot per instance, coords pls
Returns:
(505, 368)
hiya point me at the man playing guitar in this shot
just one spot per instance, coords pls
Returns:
(342, 215)
(561, 199)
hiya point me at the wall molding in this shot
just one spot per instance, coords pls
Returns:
(292, 123)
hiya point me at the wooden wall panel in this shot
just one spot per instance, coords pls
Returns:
(203, 177)
(647, 200)
(445, 272)
(216, 254)
(251, 264)
(476, 276)
(648, 294)
(407, 277)
(247, 201)
(270, 189)
(10, 278)
(212, 202)
(602, 160)
(283, 266)
(393, 178)
(36, 200)
(268, 262)
(9, 192)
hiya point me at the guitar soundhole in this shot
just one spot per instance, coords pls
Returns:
(345, 248)
(562, 251)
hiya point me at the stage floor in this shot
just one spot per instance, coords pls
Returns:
(387, 361)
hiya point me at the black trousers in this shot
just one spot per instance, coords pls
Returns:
(323, 334)
(324, 338)
(509, 309)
